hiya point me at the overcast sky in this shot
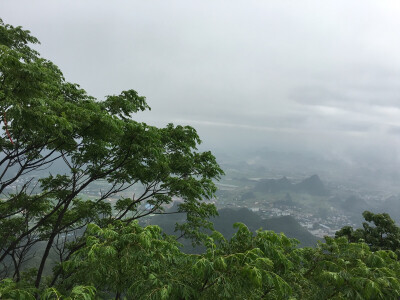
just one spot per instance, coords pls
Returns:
(308, 75)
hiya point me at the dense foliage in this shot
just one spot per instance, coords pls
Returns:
(384, 234)
(142, 263)
(99, 250)
(47, 120)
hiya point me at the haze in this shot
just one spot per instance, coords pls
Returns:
(314, 77)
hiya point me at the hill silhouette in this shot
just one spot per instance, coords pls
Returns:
(274, 185)
(312, 185)
(286, 224)
(355, 204)
(291, 228)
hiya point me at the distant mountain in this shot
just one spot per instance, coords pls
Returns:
(229, 216)
(274, 185)
(286, 201)
(355, 205)
(312, 185)
(291, 228)
(286, 224)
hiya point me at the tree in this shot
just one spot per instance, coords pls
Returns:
(127, 259)
(384, 234)
(339, 269)
(10, 290)
(142, 263)
(47, 120)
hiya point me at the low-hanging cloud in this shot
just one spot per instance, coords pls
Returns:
(314, 75)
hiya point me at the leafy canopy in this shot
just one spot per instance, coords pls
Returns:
(96, 144)
(379, 231)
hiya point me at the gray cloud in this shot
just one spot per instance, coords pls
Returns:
(309, 74)
(394, 130)
(370, 94)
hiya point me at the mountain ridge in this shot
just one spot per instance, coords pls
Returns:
(311, 185)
